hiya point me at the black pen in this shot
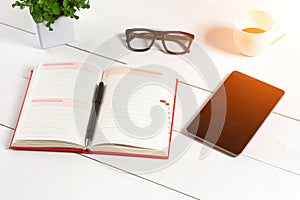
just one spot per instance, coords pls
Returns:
(94, 114)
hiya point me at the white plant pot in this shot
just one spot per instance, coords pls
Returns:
(63, 32)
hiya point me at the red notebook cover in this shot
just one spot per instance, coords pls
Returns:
(85, 151)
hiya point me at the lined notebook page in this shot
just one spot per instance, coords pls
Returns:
(58, 103)
(136, 109)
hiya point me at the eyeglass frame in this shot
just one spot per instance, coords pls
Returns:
(159, 35)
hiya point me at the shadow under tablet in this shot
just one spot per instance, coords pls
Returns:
(231, 117)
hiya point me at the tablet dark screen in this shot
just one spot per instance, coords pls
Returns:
(234, 113)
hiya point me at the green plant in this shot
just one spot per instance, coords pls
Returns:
(50, 10)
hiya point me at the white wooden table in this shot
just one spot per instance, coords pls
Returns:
(268, 168)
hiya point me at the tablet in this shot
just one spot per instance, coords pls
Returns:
(234, 113)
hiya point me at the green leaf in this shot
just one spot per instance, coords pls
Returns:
(40, 1)
(50, 10)
(48, 25)
(17, 3)
(38, 17)
(65, 3)
(56, 9)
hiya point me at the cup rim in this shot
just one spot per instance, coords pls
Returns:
(253, 10)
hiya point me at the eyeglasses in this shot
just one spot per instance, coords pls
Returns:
(174, 42)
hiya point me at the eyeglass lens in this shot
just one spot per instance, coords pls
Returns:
(176, 42)
(141, 40)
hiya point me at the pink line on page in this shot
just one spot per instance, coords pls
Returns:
(145, 71)
(125, 70)
(61, 102)
(46, 100)
(57, 64)
(74, 65)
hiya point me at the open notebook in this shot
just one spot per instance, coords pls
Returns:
(135, 116)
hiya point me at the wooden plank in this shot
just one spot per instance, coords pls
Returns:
(37, 175)
(15, 17)
(19, 54)
(213, 175)
(12, 89)
(276, 143)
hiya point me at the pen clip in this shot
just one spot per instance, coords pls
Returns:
(99, 93)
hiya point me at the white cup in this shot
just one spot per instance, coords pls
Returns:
(254, 31)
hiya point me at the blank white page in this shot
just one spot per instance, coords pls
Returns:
(136, 108)
(58, 102)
